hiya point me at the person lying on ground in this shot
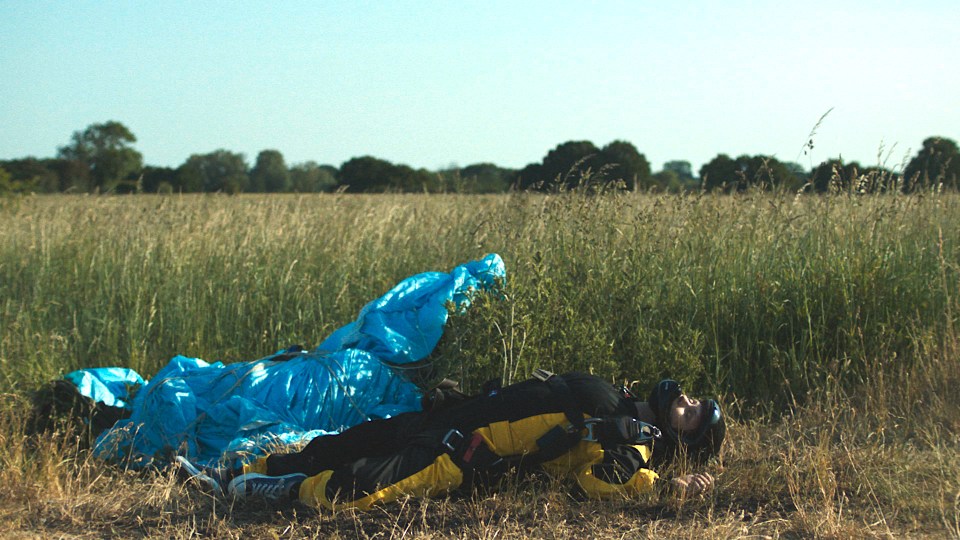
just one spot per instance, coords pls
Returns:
(575, 424)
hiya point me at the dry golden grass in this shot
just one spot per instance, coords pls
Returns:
(828, 320)
(866, 465)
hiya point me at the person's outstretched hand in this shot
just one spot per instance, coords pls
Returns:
(692, 484)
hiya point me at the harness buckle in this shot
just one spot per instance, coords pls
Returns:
(452, 439)
(622, 430)
(542, 375)
(472, 453)
(590, 424)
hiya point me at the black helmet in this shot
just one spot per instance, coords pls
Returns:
(702, 443)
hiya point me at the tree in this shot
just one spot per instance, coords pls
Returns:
(6, 182)
(676, 176)
(220, 170)
(832, 176)
(937, 162)
(796, 169)
(406, 178)
(668, 180)
(720, 172)
(624, 162)
(562, 167)
(835, 176)
(270, 173)
(485, 178)
(530, 177)
(766, 172)
(33, 174)
(74, 175)
(365, 174)
(103, 151)
(682, 169)
(565, 164)
(309, 177)
(158, 179)
(369, 174)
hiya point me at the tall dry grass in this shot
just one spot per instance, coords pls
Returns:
(825, 323)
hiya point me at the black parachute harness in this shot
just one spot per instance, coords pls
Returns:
(620, 430)
(473, 455)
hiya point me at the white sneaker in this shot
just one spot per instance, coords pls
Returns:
(274, 488)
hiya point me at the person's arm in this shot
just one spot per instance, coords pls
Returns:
(618, 472)
(622, 472)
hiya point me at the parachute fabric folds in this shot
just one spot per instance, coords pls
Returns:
(204, 411)
(402, 325)
(109, 385)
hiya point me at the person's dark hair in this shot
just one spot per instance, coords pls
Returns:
(699, 445)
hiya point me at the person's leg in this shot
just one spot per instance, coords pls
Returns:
(422, 468)
(376, 438)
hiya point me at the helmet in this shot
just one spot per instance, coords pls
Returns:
(702, 443)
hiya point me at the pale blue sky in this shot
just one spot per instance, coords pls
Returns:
(433, 83)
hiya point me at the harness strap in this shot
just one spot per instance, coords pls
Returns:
(472, 453)
(620, 430)
(560, 388)
(560, 439)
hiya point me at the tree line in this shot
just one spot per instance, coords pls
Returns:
(102, 159)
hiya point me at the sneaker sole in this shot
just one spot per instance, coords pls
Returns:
(196, 474)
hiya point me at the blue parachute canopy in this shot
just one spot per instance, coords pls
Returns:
(109, 385)
(210, 411)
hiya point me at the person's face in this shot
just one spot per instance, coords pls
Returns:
(686, 414)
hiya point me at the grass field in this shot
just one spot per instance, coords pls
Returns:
(825, 324)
